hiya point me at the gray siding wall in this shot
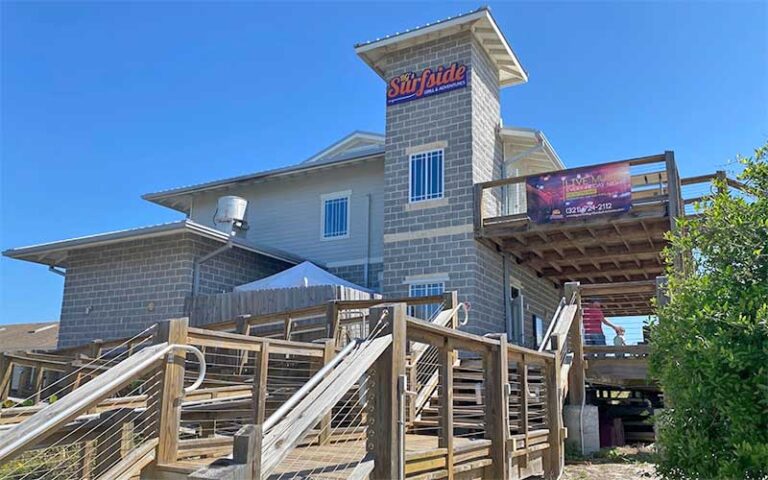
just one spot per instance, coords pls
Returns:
(285, 213)
(117, 290)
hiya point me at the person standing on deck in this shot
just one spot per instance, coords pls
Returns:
(593, 325)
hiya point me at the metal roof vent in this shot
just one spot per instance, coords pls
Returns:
(230, 213)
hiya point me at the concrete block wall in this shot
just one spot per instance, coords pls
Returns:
(232, 267)
(435, 239)
(356, 274)
(117, 290)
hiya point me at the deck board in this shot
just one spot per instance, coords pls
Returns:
(336, 461)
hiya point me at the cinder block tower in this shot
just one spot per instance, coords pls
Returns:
(443, 116)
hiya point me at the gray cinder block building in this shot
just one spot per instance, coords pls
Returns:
(392, 212)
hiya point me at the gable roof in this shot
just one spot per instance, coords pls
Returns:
(480, 22)
(354, 148)
(353, 142)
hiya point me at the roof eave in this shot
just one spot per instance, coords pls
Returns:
(45, 254)
(511, 71)
(165, 198)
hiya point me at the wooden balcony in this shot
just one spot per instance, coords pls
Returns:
(601, 248)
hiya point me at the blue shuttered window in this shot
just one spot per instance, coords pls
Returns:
(426, 176)
(336, 217)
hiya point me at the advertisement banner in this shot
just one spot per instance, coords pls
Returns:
(579, 193)
(412, 86)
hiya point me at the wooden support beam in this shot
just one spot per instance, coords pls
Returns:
(259, 394)
(555, 457)
(325, 424)
(388, 400)
(333, 321)
(171, 390)
(246, 450)
(576, 374)
(675, 206)
(6, 373)
(446, 358)
(496, 381)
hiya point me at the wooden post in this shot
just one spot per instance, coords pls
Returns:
(38, 388)
(115, 441)
(446, 358)
(478, 210)
(388, 419)
(329, 351)
(576, 375)
(86, 459)
(259, 392)
(662, 295)
(523, 369)
(242, 327)
(332, 321)
(246, 450)
(554, 459)
(675, 209)
(171, 390)
(496, 379)
(450, 300)
(6, 372)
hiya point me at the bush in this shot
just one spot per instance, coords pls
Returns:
(709, 348)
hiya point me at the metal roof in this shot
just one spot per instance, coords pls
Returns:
(480, 22)
(55, 253)
(178, 198)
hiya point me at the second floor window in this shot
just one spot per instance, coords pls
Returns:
(426, 175)
(335, 215)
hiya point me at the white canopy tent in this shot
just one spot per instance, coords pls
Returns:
(305, 274)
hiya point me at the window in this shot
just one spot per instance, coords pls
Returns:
(426, 176)
(335, 215)
(538, 330)
(425, 312)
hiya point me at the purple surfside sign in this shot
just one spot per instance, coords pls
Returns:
(579, 193)
(412, 86)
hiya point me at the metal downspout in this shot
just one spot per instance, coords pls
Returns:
(201, 260)
(367, 268)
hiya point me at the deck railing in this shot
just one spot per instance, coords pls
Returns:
(487, 407)
(654, 178)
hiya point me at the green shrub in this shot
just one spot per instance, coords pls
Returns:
(710, 345)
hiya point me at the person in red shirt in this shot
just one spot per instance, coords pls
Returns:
(594, 319)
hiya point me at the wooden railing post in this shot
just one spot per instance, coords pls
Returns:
(496, 379)
(246, 450)
(450, 300)
(555, 457)
(446, 358)
(577, 372)
(329, 351)
(171, 390)
(333, 321)
(6, 372)
(675, 208)
(387, 427)
(259, 392)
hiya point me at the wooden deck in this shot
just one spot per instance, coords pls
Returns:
(338, 460)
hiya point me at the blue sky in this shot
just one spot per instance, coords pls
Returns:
(102, 102)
